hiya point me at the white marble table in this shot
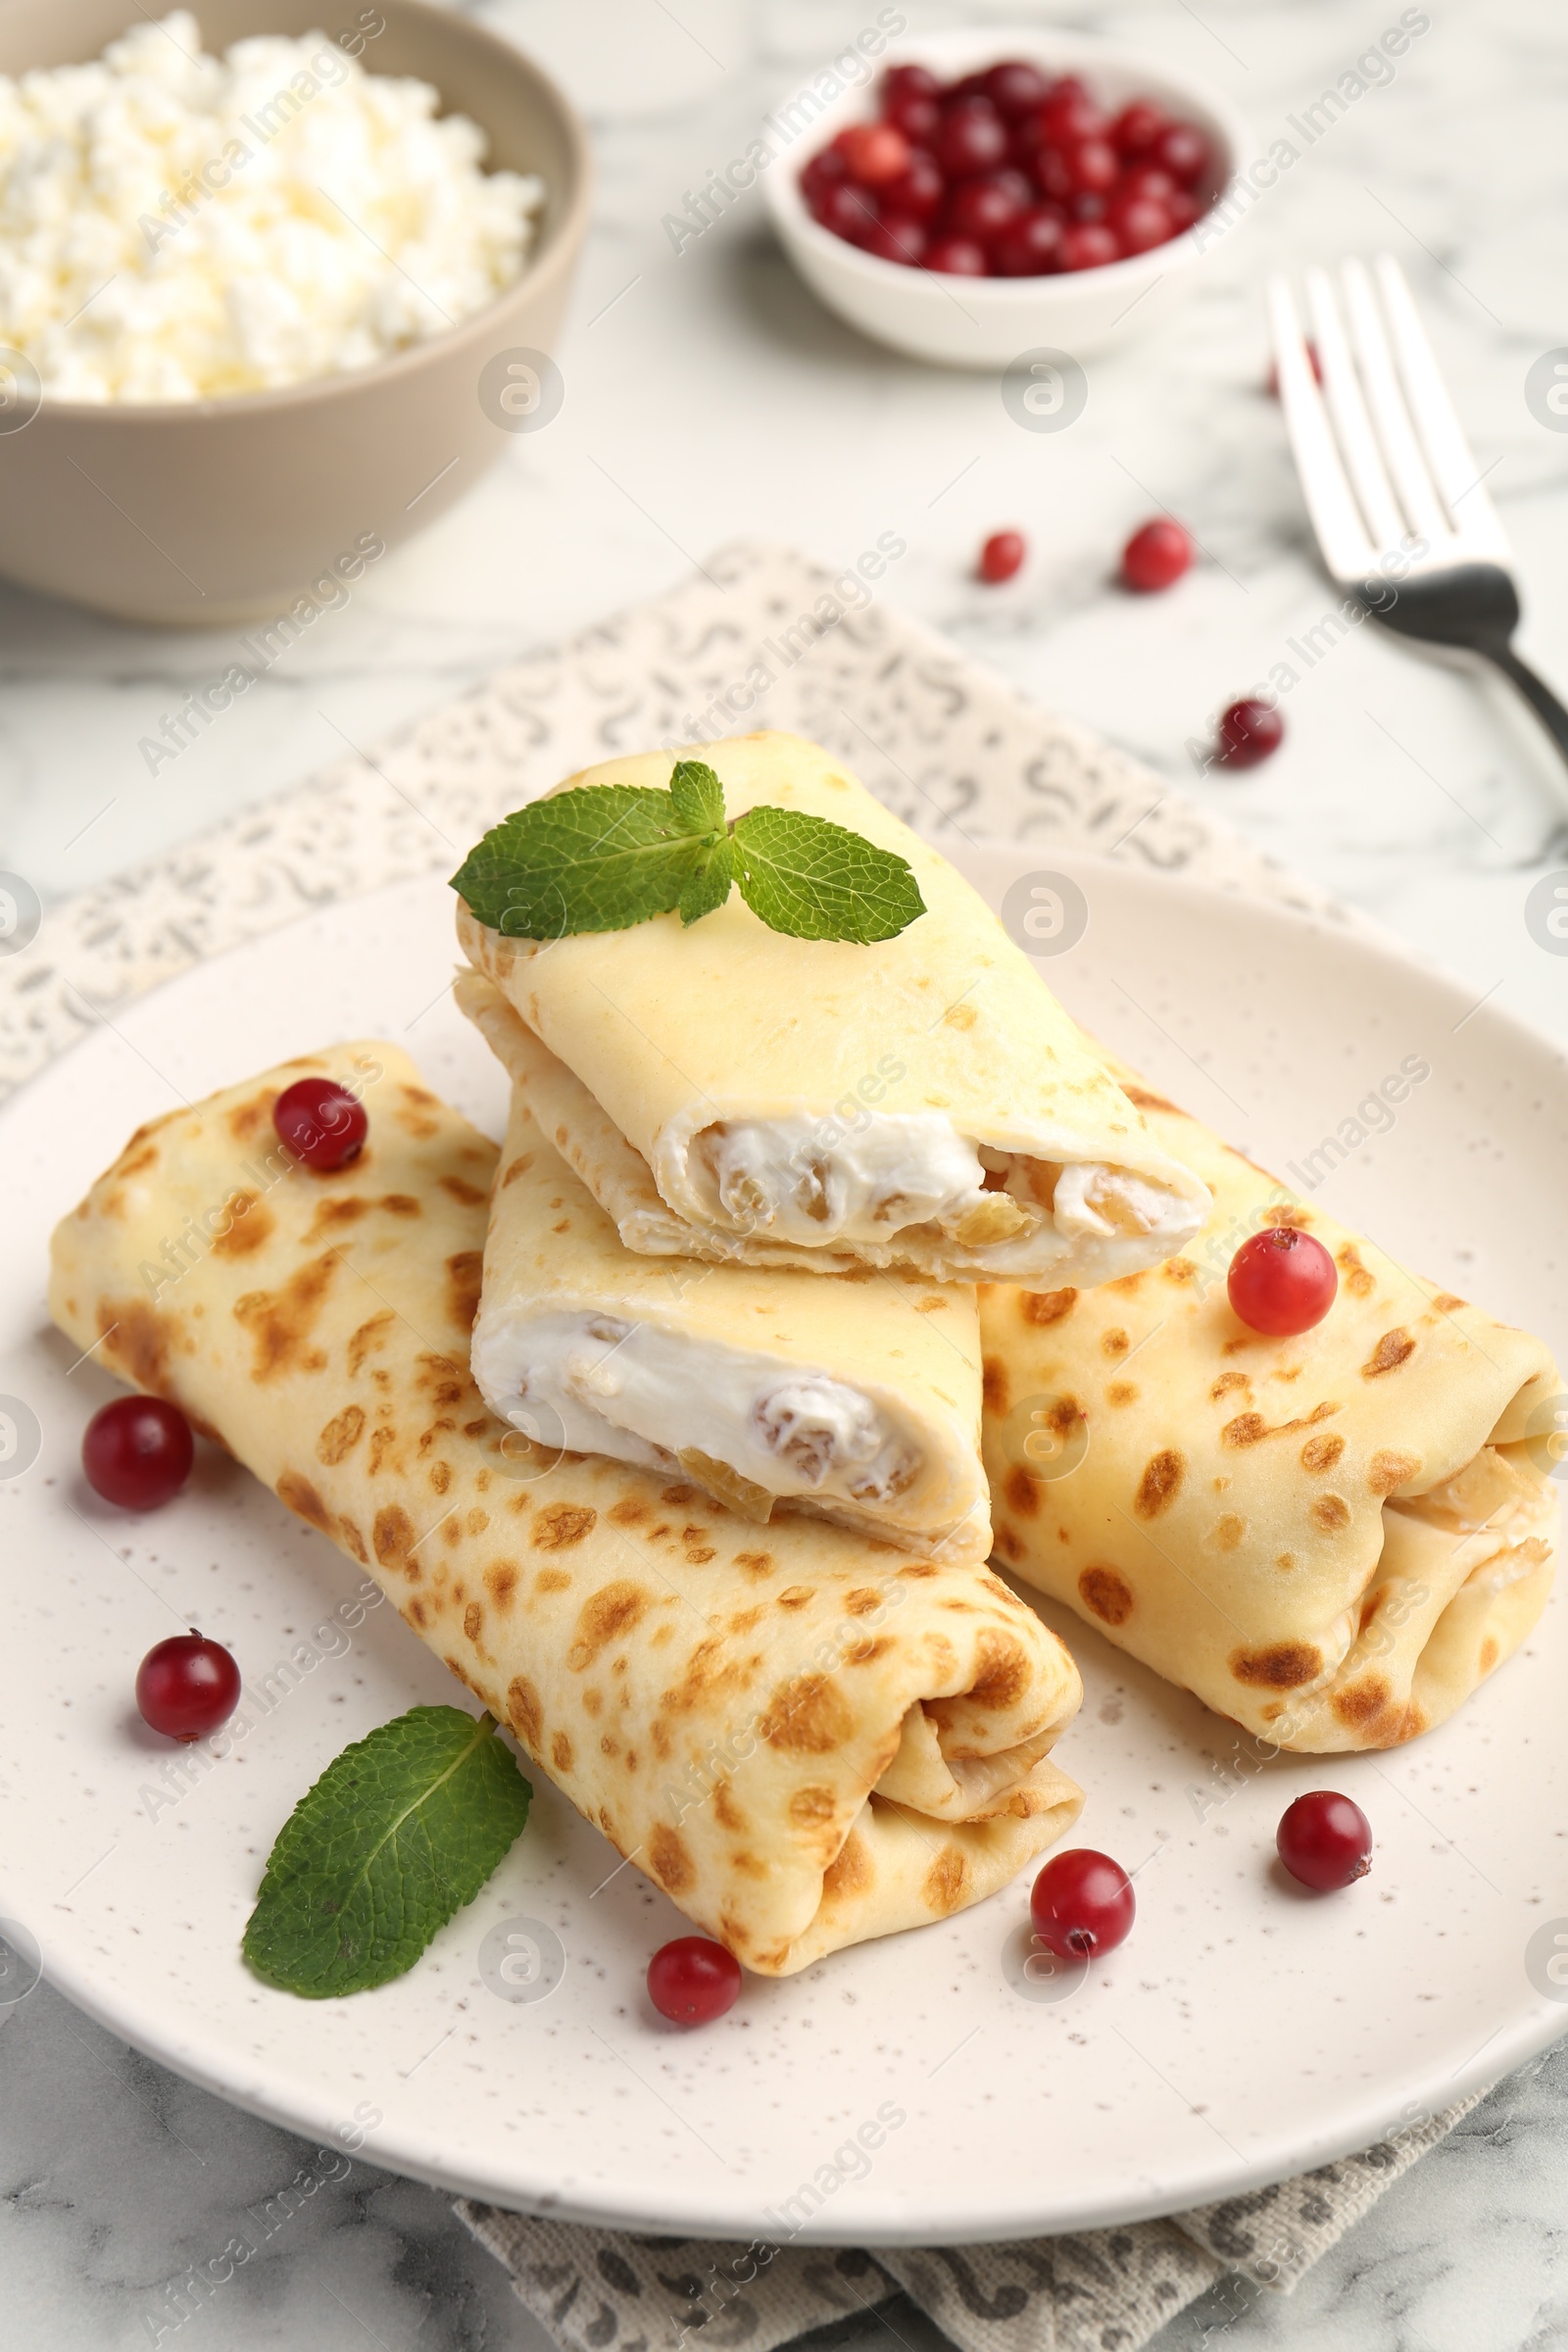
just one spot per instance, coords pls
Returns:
(710, 397)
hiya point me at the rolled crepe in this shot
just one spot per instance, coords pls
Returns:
(806, 1740)
(922, 1101)
(1330, 1539)
(858, 1400)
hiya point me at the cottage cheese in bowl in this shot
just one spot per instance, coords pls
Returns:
(175, 227)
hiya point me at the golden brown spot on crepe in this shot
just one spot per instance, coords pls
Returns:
(133, 1162)
(524, 1711)
(401, 1205)
(1331, 1512)
(668, 1860)
(994, 1384)
(1003, 1675)
(794, 1596)
(1226, 1381)
(1021, 1493)
(1143, 1099)
(246, 1118)
(945, 1882)
(697, 1556)
(1488, 1653)
(933, 1304)
(808, 1715)
(861, 1601)
(609, 1746)
(755, 1563)
(1283, 1667)
(748, 1866)
(960, 1017)
(1447, 1303)
(1389, 1469)
(249, 1221)
(1359, 1281)
(1179, 1269)
(518, 1167)
(1360, 1704)
(393, 1536)
(340, 1436)
(472, 1620)
(1107, 1594)
(1159, 1484)
(304, 1501)
(1128, 1284)
(605, 1615)
(501, 1583)
(552, 1579)
(562, 1525)
(332, 1216)
(561, 1754)
(384, 1443)
(1042, 1307)
(726, 1812)
(865, 1652)
(352, 1537)
(470, 1195)
(918, 1567)
(1395, 1347)
(1114, 1342)
(412, 1114)
(812, 1806)
(281, 1321)
(1009, 1544)
(464, 1272)
(1227, 1532)
(1321, 1454)
(850, 1871)
(440, 1476)
(1121, 1392)
(678, 1495)
(416, 1613)
(627, 1513)
(1245, 1430)
(369, 1335)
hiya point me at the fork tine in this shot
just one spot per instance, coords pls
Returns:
(1346, 408)
(1449, 454)
(1341, 536)
(1402, 452)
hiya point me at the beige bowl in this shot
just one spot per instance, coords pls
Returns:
(216, 511)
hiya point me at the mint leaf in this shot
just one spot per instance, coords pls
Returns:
(709, 885)
(697, 795)
(599, 858)
(816, 880)
(397, 1834)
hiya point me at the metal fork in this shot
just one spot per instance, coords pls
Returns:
(1395, 498)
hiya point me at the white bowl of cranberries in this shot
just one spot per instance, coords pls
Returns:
(994, 192)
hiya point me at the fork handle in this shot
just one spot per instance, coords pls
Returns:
(1536, 693)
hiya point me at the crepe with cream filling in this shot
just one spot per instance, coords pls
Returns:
(921, 1102)
(857, 1398)
(1331, 1539)
(804, 1737)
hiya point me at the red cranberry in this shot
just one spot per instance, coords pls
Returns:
(823, 173)
(968, 85)
(1052, 174)
(1089, 245)
(849, 213)
(912, 81)
(1000, 556)
(916, 116)
(691, 1980)
(1249, 731)
(957, 257)
(1147, 179)
(917, 190)
(137, 1452)
(1070, 116)
(1325, 1841)
(895, 238)
(1016, 89)
(1141, 222)
(1156, 556)
(1091, 167)
(971, 137)
(873, 153)
(982, 208)
(1031, 247)
(1282, 1282)
(322, 1124)
(1184, 209)
(1082, 1904)
(1090, 207)
(188, 1686)
(1183, 152)
(1138, 126)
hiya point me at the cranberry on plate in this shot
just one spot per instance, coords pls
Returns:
(1282, 1282)
(1156, 556)
(1082, 1904)
(693, 1980)
(1249, 731)
(1000, 556)
(188, 1686)
(971, 159)
(137, 1452)
(1325, 1841)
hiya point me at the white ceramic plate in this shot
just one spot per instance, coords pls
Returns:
(1245, 2032)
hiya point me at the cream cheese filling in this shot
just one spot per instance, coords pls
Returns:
(596, 1384)
(781, 1178)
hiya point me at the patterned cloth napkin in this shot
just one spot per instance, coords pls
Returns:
(761, 638)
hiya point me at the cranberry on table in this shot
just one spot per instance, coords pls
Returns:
(691, 1980)
(1089, 245)
(1082, 1904)
(957, 257)
(1325, 1841)
(1249, 731)
(137, 1452)
(1156, 556)
(873, 153)
(1031, 247)
(1282, 1282)
(322, 1124)
(970, 137)
(188, 1686)
(1000, 556)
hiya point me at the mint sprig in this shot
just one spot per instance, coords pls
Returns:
(608, 856)
(400, 1832)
